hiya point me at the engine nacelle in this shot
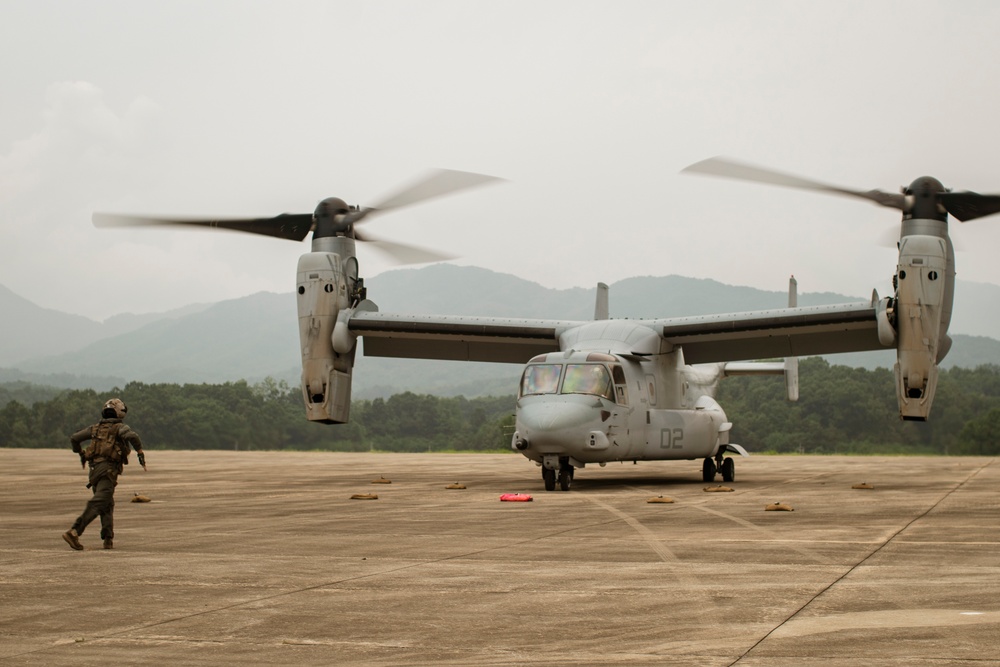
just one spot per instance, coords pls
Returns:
(326, 373)
(920, 310)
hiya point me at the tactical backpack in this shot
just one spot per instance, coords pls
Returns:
(106, 443)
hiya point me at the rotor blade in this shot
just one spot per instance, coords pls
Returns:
(403, 253)
(354, 217)
(718, 166)
(438, 183)
(291, 226)
(970, 205)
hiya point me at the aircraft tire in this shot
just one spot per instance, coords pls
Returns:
(728, 470)
(565, 478)
(549, 477)
(708, 470)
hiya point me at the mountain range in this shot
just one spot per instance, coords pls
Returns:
(256, 336)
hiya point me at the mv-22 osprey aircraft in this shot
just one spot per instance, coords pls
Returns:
(619, 389)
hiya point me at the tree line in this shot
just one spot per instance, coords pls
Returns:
(844, 410)
(841, 410)
(268, 415)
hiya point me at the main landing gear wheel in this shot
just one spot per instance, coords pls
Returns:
(728, 470)
(549, 477)
(708, 471)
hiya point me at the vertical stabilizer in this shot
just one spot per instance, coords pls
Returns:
(792, 363)
(601, 306)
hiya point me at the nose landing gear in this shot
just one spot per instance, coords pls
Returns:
(565, 476)
(549, 477)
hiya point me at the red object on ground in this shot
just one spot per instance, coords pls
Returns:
(516, 498)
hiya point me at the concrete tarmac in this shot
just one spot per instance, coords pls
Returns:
(257, 557)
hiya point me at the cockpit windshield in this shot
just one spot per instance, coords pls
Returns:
(588, 379)
(540, 379)
(593, 379)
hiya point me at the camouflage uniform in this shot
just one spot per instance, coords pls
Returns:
(108, 453)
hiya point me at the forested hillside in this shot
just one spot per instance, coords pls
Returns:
(845, 410)
(268, 415)
(841, 410)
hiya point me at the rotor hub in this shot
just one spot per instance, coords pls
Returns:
(330, 218)
(923, 197)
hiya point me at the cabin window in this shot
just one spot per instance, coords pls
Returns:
(540, 379)
(588, 379)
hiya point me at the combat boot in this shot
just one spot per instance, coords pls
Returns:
(73, 539)
(109, 543)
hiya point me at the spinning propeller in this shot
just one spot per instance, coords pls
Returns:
(924, 198)
(332, 217)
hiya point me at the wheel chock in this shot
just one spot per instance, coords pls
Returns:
(862, 485)
(381, 480)
(136, 498)
(660, 499)
(365, 496)
(718, 489)
(456, 485)
(779, 507)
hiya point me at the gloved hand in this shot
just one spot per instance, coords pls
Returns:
(142, 459)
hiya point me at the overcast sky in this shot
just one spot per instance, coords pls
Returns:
(588, 109)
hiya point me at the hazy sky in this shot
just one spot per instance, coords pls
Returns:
(588, 109)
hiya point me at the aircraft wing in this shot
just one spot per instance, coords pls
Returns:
(768, 334)
(454, 337)
(785, 332)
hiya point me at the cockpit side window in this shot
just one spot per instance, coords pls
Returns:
(588, 379)
(540, 379)
(621, 384)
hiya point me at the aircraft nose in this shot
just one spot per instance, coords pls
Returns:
(540, 418)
